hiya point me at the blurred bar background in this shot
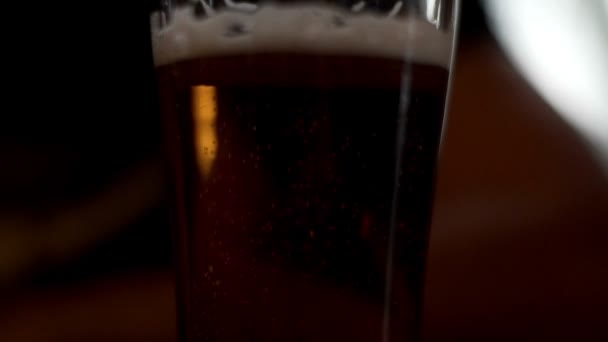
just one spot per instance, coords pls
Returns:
(518, 249)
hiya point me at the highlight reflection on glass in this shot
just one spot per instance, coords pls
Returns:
(204, 109)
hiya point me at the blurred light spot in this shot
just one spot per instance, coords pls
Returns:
(561, 46)
(204, 107)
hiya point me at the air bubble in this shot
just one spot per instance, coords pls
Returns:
(236, 29)
(338, 21)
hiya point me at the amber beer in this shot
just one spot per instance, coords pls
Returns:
(303, 172)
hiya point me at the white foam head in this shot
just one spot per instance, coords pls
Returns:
(301, 28)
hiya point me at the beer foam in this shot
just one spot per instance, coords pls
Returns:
(314, 29)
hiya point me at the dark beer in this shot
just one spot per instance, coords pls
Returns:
(304, 185)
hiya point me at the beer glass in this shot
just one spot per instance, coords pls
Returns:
(302, 139)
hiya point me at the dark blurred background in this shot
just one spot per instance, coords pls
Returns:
(518, 249)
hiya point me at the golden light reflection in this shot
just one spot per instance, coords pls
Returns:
(204, 108)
